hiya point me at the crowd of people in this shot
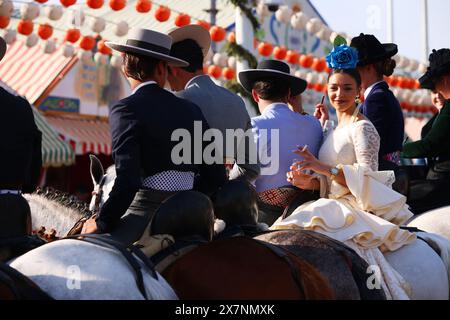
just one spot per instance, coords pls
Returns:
(343, 176)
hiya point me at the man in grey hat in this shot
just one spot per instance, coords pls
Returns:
(142, 128)
(20, 163)
(222, 109)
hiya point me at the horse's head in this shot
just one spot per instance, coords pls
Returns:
(187, 214)
(236, 203)
(103, 183)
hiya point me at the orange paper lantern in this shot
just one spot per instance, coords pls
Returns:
(318, 87)
(4, 22)
(402, 82)
(265, 49)
(182, 20)
(306, 60)
(162, 13)
(68, 3)
(217, 33)
(319, 64)
(25, 27)
(215, 71)
(394, 81)
(72, 35)
(292, 57)
(102, 48)
(143, 6)
(45, 31)
(117, 5)
(204, 24)
(231, 37)
(41, 1)
(279, 53)
(94, 4)
(87, 43)
(228, 73)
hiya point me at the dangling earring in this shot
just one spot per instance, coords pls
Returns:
(357, 100)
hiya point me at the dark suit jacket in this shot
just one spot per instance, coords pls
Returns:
(141, 127)
(383, 110)
(20, 144)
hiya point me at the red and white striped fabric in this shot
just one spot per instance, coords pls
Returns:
(85, 136)
(29, 71)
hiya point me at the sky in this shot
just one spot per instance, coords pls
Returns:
(369, 16)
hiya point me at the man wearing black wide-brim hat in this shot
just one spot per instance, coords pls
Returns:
(271, 86)
(142, 126)
(380, 105)
(435, 145)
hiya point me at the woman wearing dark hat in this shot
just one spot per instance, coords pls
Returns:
(380, 105)
(435, 143)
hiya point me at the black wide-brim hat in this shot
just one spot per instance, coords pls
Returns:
(371, 50)
(272, 69)
(439, 65)
(426, 81)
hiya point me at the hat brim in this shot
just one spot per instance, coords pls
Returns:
(390, 49)
(247, 78)
(426, 81)
(195, 32)
(126, 48)
(2, 48)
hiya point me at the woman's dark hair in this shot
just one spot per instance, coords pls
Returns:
(385, 67)
(351, 72)
(139, 67)
(271, 89)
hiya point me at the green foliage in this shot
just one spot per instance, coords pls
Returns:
(339, 41)
(242, 4)
(233, 49)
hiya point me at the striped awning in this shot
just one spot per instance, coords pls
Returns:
(85, 136)
(55, 152)
(30, 71)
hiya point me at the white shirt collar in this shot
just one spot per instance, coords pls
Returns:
(369, 89)
(192, 80)
(143, 84)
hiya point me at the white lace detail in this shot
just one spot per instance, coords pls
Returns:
(367, 143)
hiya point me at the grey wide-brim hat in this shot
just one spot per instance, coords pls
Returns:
(149, 43)
(195, 32)
(2, 48)
(272, 69)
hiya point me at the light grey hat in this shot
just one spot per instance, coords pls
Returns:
(150, 43)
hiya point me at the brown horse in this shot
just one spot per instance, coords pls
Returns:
(243, 268)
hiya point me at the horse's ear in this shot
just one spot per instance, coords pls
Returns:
(97, 171)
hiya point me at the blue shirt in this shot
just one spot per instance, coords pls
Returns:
(275, 147)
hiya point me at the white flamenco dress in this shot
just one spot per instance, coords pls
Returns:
(364, 215)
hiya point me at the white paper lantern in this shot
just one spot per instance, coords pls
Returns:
(324, 33)
(209, 56)
(402, 62)
(6, 8)
(116, 61)
(423, 68)
(322, 79)
(49, 46)
(76, 18)
(232, 63)
(121, 29)
(301, 74)
(68, 50)
(395, 91)
(29, 11)
(425, 100)
(413, 65)
(220, 60)
(406, 95)
(299, 20)
(262, 10)
(415, 99)
(312, 77)
(32, 40)
(101, 59)
(283, 14)
(97, 24)
(313, 25)
(84, 55)
(9, 35)
(53, 12)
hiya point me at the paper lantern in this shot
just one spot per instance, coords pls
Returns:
(283, 14)
(319, 64)
(231, 37)
(121, 29)
(45, 31)
(117, 5)
(76, 18)
(68, 50)
(423, 68)
(312, 78)
(143, 6)
(85, 56)
(162, 14)
(325, 33)
(214, 71)
(32, 40)
(41, 1)
(265, 49)
(228, 73)
(87, 43)
(97, 24)
(6, 8)
(204, 24)
(53, 12)
(9, 35)
(25, 27)
(262, 10)
(413, 65)
(116, 61)
(29, 11)
(72, 35)
(102, 48)
(182, 20)
(318, 87)
(95, 4)
(313, 25)
(279, 53)
(101, 59)
(49, 46)
(292, 57)
(68, 3)
(232, 63)
(306, 60)
(4, 22)
(217, 33)
(299, 20)
(220, 60)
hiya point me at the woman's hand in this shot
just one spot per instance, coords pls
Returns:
(302, 180)
(321, 113)
(310, 162)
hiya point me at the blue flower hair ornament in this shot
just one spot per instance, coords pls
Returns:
(343, 57)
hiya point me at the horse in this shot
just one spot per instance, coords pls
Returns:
(434, 221)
